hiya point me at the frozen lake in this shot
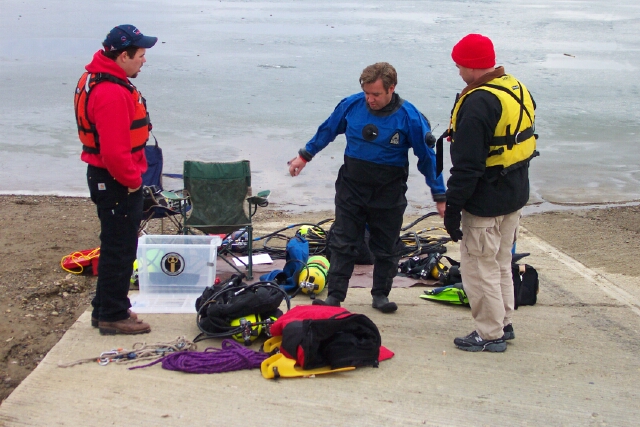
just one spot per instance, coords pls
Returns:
(252, 80)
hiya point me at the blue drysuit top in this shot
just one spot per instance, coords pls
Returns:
(382, 138)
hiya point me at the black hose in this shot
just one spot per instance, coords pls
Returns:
(317, 243)
(423, 217)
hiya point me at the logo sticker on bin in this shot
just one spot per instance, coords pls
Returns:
(172, 264)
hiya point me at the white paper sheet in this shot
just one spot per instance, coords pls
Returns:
(257, 259)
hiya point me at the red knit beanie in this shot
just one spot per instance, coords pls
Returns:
(474, 51)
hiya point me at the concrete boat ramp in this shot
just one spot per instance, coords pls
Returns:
(575, 362)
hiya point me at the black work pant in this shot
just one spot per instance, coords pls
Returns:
(360, 204)
(120, 213)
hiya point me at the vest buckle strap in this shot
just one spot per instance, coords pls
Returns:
(515, 139)
(523, 135)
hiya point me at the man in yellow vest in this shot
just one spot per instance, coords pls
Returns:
(113, 126)
(492, 141)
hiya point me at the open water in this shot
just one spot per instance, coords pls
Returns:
(252, 79)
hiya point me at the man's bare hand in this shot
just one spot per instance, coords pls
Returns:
(296, 165)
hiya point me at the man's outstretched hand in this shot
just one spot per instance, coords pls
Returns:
(296, 165)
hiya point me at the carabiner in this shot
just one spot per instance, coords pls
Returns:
(103, 360)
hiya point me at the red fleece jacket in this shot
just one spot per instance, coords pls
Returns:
(111, 108)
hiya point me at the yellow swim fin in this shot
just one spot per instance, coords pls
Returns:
(272, 344)
(278, 366)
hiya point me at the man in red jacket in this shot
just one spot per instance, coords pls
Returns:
(113, 126)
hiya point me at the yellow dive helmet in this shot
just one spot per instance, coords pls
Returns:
(313, 277)
(149, 263)
(311, 232)
(134, 282)
(304, 230)
(250, 330)
(149, 260)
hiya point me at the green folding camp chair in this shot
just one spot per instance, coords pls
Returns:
(222, 203)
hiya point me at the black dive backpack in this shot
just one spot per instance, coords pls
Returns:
(525, 279)
(318, 336)
(220, 304)
(525, 284)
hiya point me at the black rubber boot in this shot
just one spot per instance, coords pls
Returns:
(332, 301)
(383, 304)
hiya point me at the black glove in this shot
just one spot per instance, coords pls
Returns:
(452, 218)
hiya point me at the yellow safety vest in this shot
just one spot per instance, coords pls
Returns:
(514, 140)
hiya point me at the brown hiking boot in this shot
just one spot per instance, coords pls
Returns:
(128, 326)
(94, 321)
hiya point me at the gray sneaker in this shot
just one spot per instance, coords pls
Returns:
(508, 332)
(473, 342)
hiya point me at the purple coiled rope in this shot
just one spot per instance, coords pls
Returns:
(231, 357)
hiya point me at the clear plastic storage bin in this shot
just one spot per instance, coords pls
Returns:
(173, 271)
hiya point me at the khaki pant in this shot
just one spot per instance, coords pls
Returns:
(485, 265)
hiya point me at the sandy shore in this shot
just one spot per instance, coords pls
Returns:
(39, 301)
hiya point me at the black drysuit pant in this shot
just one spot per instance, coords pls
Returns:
(120, 213)
(367, 195)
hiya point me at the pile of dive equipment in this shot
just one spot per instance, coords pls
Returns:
(306, 340)
(234, 309)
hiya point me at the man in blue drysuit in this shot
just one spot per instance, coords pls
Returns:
(380, 128)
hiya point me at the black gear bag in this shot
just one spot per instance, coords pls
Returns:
(220, 304)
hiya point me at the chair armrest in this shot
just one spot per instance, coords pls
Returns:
(261, 199)
(172, 195)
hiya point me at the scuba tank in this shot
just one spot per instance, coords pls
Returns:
(251, 328)
(426, 268)
(313, 277)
